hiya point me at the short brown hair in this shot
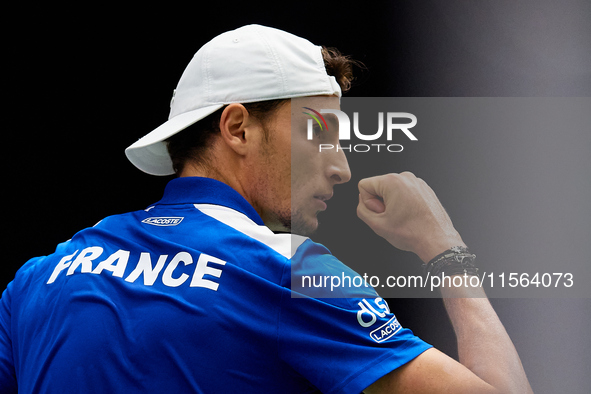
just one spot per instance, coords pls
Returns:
(192, 143)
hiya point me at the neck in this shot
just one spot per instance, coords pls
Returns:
(235, 179)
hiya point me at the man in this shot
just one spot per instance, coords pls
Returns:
(193, 294)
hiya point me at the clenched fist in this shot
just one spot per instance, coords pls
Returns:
(405, 211)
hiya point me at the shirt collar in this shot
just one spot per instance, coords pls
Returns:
(198, 190)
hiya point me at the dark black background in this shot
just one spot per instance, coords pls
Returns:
(84, 83)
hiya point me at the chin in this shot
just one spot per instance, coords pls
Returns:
(305, 226)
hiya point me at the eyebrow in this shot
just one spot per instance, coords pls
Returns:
(330, 117)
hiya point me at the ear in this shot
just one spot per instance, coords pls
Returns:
(238, 128)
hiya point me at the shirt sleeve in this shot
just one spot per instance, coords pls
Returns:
(341, 345)
(7, 371)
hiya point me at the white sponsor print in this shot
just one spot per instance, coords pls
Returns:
(368, 314)
(207, 267)
(163, 221)
(385, 331)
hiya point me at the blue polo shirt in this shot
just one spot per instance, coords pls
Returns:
(192, 294)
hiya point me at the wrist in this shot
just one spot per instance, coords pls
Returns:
(455, 261)
(433, 248)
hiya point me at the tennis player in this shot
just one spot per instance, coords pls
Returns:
(194, 293)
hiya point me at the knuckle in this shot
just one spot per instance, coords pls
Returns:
(392, 177)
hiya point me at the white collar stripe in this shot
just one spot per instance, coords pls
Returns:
(284, 244)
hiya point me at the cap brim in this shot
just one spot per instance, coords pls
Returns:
(150, 154)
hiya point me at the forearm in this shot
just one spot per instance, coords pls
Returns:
(483, 344)
(405, 211)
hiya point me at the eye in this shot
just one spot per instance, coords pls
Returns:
(316, 129)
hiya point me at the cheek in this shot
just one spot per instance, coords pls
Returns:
(303, 181)
(305, 160)
(300, 180)
(275, 180)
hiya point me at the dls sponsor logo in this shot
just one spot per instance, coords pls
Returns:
(368, 314)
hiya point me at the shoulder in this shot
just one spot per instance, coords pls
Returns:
(317, 273)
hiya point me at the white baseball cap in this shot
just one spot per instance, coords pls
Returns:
(250, 64)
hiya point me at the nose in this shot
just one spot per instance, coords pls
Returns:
(338, 168)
